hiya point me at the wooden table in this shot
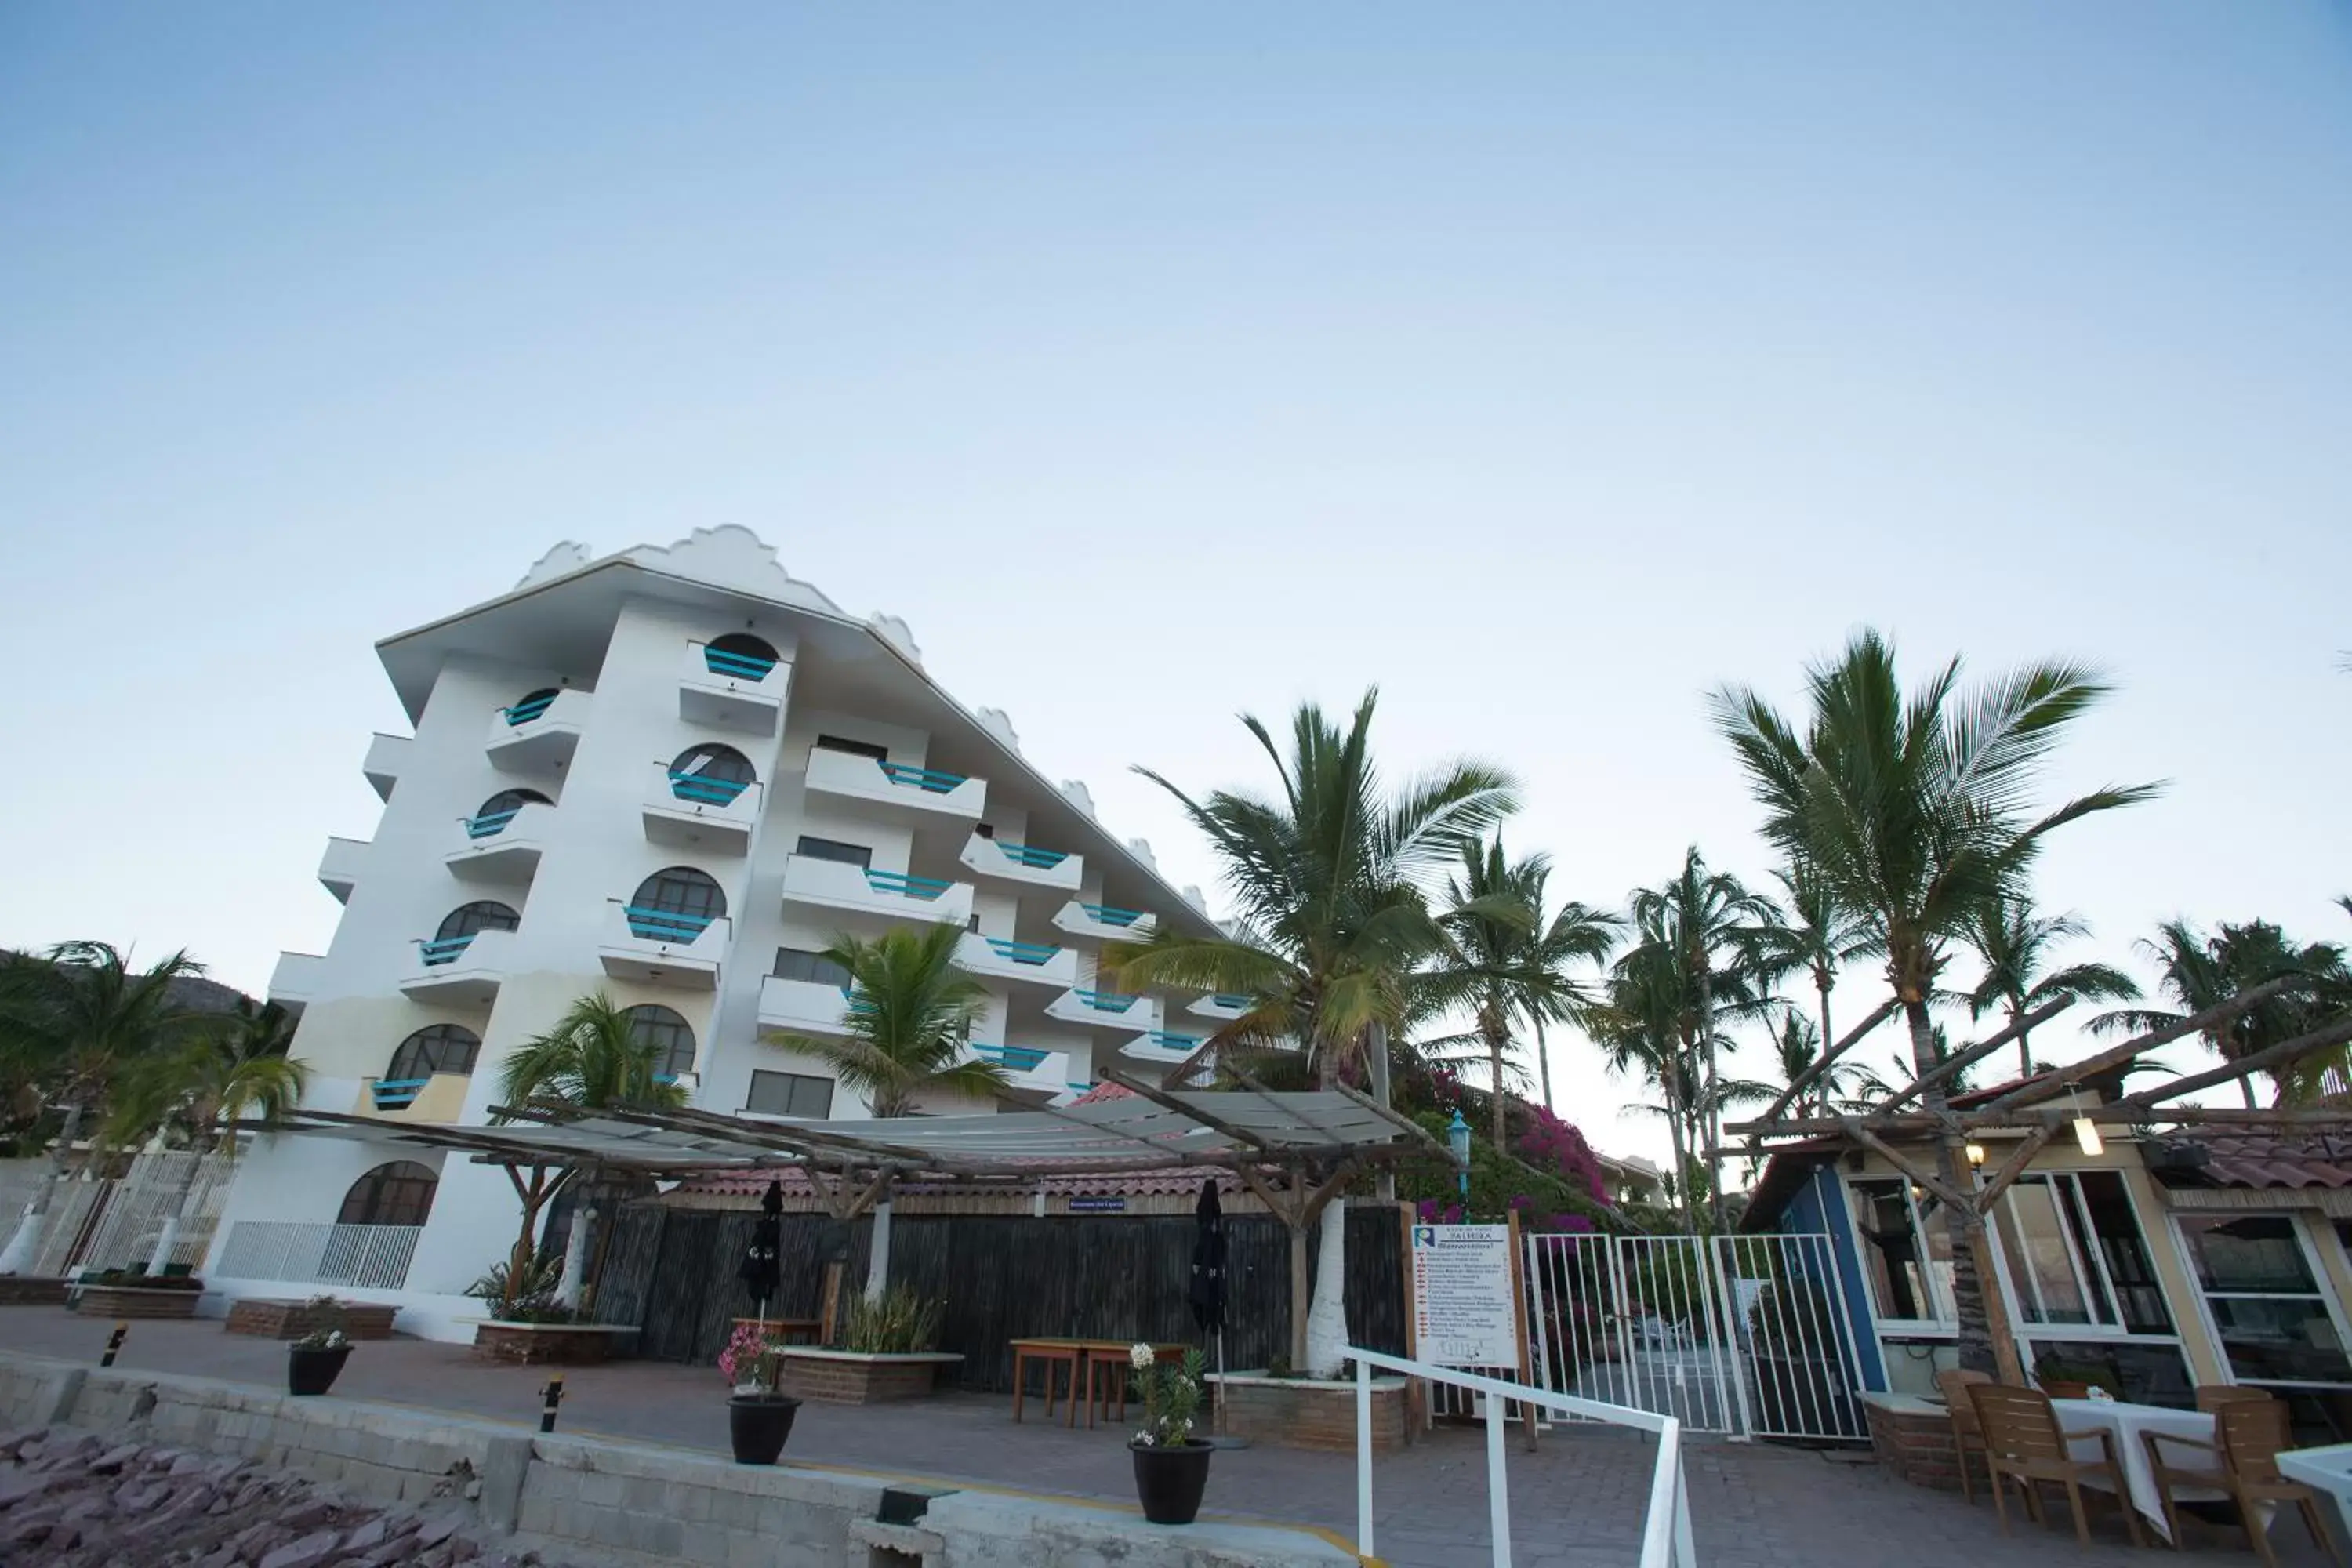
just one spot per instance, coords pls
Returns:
(1048, 1354)
(790, 1330)
(1116, 1357)
(2129, 1424)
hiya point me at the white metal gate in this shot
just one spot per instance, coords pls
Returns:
(1732, 1334)
(115, 1222)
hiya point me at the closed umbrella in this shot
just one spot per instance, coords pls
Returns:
(762, 1270)
(1206, 1294)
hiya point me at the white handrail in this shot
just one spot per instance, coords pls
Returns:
(1665, 1533)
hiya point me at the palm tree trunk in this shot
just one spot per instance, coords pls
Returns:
(1682, 1157)
(1985, 1344)
(2024, 1048)
(23, 1249)
(1494, 1096)
(1822, 985)
(1709, 1112)
(1543, 1063)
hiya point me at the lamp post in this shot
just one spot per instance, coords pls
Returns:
(1457, 1136)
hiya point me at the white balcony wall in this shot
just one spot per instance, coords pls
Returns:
(386, 756)
(295, 979)
(692, 814)
(1088, 920)
(847, 776)
(540, 744)
(340, 865)
(991, 857)
(1084, 1009)
(802, 1006)
(508, 857)
(653, 950)
(728, 698)
(996, 958)
(875, 894)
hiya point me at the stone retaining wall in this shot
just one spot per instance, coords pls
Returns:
(285, 1320)
(1297, 1414)
(1912, 1438)
(627, 1503)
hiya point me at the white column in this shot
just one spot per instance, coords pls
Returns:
(1327, 1318)
(877, 1255)
(576, 1259)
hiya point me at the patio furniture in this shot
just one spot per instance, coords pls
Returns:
(1048, 1354)
(2214, 1395)
(788, 1330)
(2249, 1434)
(1968, 1437)
(2128, 1424)
(1107, 1370)
(2024, 1443)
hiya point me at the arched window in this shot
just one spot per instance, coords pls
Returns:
(676, 905)
(710, 775)
(740, 656)
(460, 925)
(500, 809)
(398, 1194)
(436, 1047)
(670, 1035)
(531, 706)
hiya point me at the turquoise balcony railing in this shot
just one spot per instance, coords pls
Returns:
(444, 949)
(1223, 1000)
(1021, 951)
(529, 708)
(705, 790)
(1077, 1087)
(1161, 1039)
(1034, 859)
(852, 1002)
(490, 824)
(1105, 1001)
(738, 666)
(902, 884)
(397, 1093)
(665, 925)
(1104, 914)
(1017, 1058)
(928, 780)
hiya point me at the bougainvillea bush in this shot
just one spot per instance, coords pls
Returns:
(1557, 1148)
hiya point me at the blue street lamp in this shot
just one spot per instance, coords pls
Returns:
(1457, 1134)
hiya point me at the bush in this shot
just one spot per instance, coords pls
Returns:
(140, 1279)
(899, 1322)
(322, 1322)
(529, 1299)
(1499, 1184)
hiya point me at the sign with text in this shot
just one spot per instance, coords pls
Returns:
(1463, 1310)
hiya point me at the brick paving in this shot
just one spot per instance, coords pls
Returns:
(1577, 1502)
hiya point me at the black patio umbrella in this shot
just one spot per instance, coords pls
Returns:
(1206, 1294)
(762, 1270)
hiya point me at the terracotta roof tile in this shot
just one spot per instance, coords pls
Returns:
(2265, 1160)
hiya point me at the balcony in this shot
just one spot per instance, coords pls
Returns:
(998, 958)
(295, 981)
(923, 797)
(338, 868)
(732, 690)
(502, 846)
(386, 755)
(890, 895)
(1223, 1009)
(1031, 1070)
(461, 970)
(439, 1098)
(662, 947)
(1104, 922)
(373, 1257)
(805, 1006)
(538, 735)
(1107, 1011)
(1023, 863)
(1162, 1048)
(699, 811)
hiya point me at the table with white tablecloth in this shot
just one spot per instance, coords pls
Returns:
(2328, 1470)
(2128, 1423)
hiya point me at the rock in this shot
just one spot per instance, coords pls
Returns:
(26, 1485)
(439, 1557)
(367, 1537)
(189, 1464)
(432, 1532)
(308, 1552)
(113, 1460)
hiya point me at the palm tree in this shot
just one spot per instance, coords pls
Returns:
(2015, 944)
(77, 1018)
(2198, 972)
(1797, 1047)
(1707, 926)
(1640, 1033)
(1329, 882)
(1810, 929)
(1914, 810)
(1502, 959)
(195, 1095)
(911, 1013)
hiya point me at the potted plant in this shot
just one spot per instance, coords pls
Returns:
(2064, 1377)
(1171, 1466)
(313, 1361)
(759, 1417)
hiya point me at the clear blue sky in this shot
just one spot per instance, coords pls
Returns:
(1545, 365)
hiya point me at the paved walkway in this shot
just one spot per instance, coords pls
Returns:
(1577, 1502)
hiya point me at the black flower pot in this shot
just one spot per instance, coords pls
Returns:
(758, 1424)
(313, 1372)
(1169, 1481)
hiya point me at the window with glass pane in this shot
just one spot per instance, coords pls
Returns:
(669, 1035)
(2105, 1202)
(790, 1094)
(2274, 1320)
(800, 964)
(436, 1047)
(854, 748)
(815, 848)
(2044, 1249)
(1900, 1273)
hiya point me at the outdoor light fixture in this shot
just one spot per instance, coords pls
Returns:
(2086, 1135)
(1976, 1156)
(1457, 1135)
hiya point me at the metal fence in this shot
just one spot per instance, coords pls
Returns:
(115, 1222)
(1731, 1333)
(372, 1255)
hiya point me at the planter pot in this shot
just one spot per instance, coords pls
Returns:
(134, 1301)
(849, 1377)
(758, 1424)
(546, 1344)
(314, 1371)
(1169, 1481)
(1309, 1413)
(2065, 1388)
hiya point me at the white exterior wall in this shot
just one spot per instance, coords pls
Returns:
(595, 853)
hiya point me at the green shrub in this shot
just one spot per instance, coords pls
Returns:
(898, 1322)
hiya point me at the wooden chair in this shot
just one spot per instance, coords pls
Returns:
(2248, 1434)
(2214, 1395)
(1968, 1437)
(2022, 1441)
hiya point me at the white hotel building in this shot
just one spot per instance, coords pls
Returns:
(674, 774)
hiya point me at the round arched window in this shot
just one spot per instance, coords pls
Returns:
(676, 904)
(532, 705)
(398, 1194)
(740, 656)
(436, 1047)
(670, 1036)
(710, 775)
(485, 914)
(500, 809)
